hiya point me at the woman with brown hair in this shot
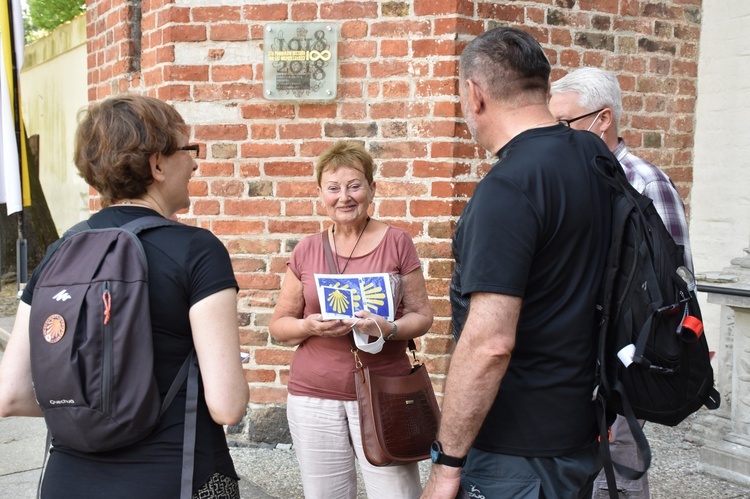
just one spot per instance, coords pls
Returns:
(322, 407)
(134, 151)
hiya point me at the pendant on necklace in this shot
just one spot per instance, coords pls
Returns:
(333, 233)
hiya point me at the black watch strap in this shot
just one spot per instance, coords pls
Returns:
(438, 457)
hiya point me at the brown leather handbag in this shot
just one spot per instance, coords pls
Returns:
(398, 415)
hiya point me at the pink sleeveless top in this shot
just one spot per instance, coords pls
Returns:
(324, 367)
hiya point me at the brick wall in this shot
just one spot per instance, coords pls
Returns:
(397, 94)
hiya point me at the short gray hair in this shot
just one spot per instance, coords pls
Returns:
(596, 88)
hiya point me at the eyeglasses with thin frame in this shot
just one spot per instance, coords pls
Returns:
(573, 120)
(193, 149)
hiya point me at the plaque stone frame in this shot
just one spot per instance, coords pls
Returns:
(300, 61)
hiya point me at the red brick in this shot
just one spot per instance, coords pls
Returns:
(252, 207)
(394, 48)
(213, 14)
(402, 110)
(297, 189)
(183, 33)
(237, 227)
(198, 188)
(452, 189)
(231, 73)
(267, 111)
(260, 375)
(443, 86)
(391, 208)
(261, 131)
(259, 150)
(270, 12)
(432, 8)
(391, 189)
(300, 131)
(396, 89)
(267, 395)
(455, 150)
(440, 307)
(273, 356)
(228, 32)
(282, 226)
(507, 12)
(352, 70)
(440, 169)
(357, 49)
(349, 10)
(253, 246)
(206, 207)
(221, 132)
(227, 188)
(317, 110)
(258, 280)
(353, 29)
(428, 48)
(298, 208)
(457, 25)
(400, 28)
(448, 109)
(288, 168)
(249, 169)
(304, 11)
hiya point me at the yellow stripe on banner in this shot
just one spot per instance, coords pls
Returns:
(15, 103)
(25, 186)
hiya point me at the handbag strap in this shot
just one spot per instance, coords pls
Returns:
(329, 254)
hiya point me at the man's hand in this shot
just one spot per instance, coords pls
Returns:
(444, 483)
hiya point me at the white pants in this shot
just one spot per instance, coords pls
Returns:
(326, 439)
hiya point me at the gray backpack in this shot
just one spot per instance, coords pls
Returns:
(91, 341)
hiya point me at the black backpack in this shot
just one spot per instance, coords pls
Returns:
(91, 342)
(653, 361)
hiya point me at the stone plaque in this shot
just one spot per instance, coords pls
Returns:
(300, 61)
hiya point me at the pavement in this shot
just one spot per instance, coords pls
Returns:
(270, 471)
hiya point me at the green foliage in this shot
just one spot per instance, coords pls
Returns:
(49, 14)
(31, 33)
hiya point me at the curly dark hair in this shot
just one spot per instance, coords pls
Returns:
(115, 139)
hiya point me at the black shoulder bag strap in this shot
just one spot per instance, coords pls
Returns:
(189, 370)
(611, 172)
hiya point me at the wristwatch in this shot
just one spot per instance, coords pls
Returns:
(392, 336)
(437, 456)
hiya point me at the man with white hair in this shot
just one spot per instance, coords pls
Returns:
(590, 99)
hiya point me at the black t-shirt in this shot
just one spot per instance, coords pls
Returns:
(185, 265)
(537, 227)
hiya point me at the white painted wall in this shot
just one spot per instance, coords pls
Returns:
(53, 90)
(720, 199)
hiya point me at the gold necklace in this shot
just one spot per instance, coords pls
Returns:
(333, 233)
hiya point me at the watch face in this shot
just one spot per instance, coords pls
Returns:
(434, 452)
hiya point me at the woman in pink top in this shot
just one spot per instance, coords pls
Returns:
(322, 404)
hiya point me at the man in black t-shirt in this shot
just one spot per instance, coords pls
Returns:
(530, 248)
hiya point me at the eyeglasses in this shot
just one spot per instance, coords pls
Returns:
(573, 120)
(193, 149)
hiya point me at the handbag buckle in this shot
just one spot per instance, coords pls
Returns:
(357, 362)
(415, 362)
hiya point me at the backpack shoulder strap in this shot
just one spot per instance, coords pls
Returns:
(148, 222)
(52, 248)
(79, 227)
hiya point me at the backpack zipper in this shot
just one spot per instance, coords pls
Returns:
(107, 358)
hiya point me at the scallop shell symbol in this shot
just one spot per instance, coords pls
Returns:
(54, 328)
